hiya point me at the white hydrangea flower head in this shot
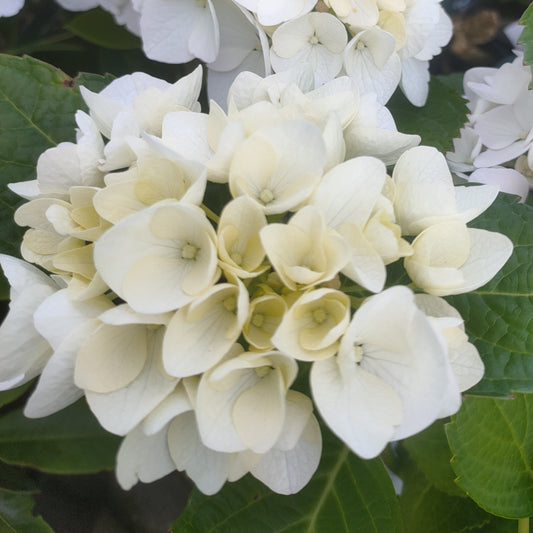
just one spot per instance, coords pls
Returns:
(267, 225)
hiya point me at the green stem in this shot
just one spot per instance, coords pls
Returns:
(523, 525)
(210, 214)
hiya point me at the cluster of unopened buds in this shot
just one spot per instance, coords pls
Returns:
(199, 261)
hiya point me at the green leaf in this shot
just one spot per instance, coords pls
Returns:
(99, 27)
(428, 510)
(438, 122)
(431, 453)
(16, 514)
(498, 316)
(70, 441)
(37, 106)
(10, 395)
(492, 440)
(346, 494)
(526, 37)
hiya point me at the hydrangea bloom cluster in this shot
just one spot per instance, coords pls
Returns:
(380, 44)
(185, 329)
(495, 145)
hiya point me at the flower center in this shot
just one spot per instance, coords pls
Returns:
(189, 251)
(262, 371)
(319, 315)
(258, 320)
(360, 45)
(313, 39)
(236, 257)
(230, 304)
(358, 349)
(266, 196)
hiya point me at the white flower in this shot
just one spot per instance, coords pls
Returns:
(316, 38)
(200, 334)
(239, 246)
(466, 363)
(507, 180)
(23, 351)
(349, 196)
(279, 166)
(134, 103)
(272, 12)
(427, 29)
(125, 380)
(154, 178)
(305, 252)
(449, 258)
(68, 164)
(160, 258)
(506, 130)
(179, 31)
(231, 394)
(465, 150)
(310, 330)
(66, 325)
(371, 61)
(391, 377)
(425, 194)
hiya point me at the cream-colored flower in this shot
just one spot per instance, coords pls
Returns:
(239, 246)
(357, 13)
(265, 314)
(278, 166)
(449, 258)
(231, 395)
(305, 252)
(153, 178)
(200, 334)
(310, 330)
(160, 258)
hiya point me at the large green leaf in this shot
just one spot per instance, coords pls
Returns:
(526, 37)
(499, 316)
(347, 494)
(16, 514)
(70, 441)
(431, 453)
(37, 106)
(438, 122)
(427, 510)
(492, 443)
